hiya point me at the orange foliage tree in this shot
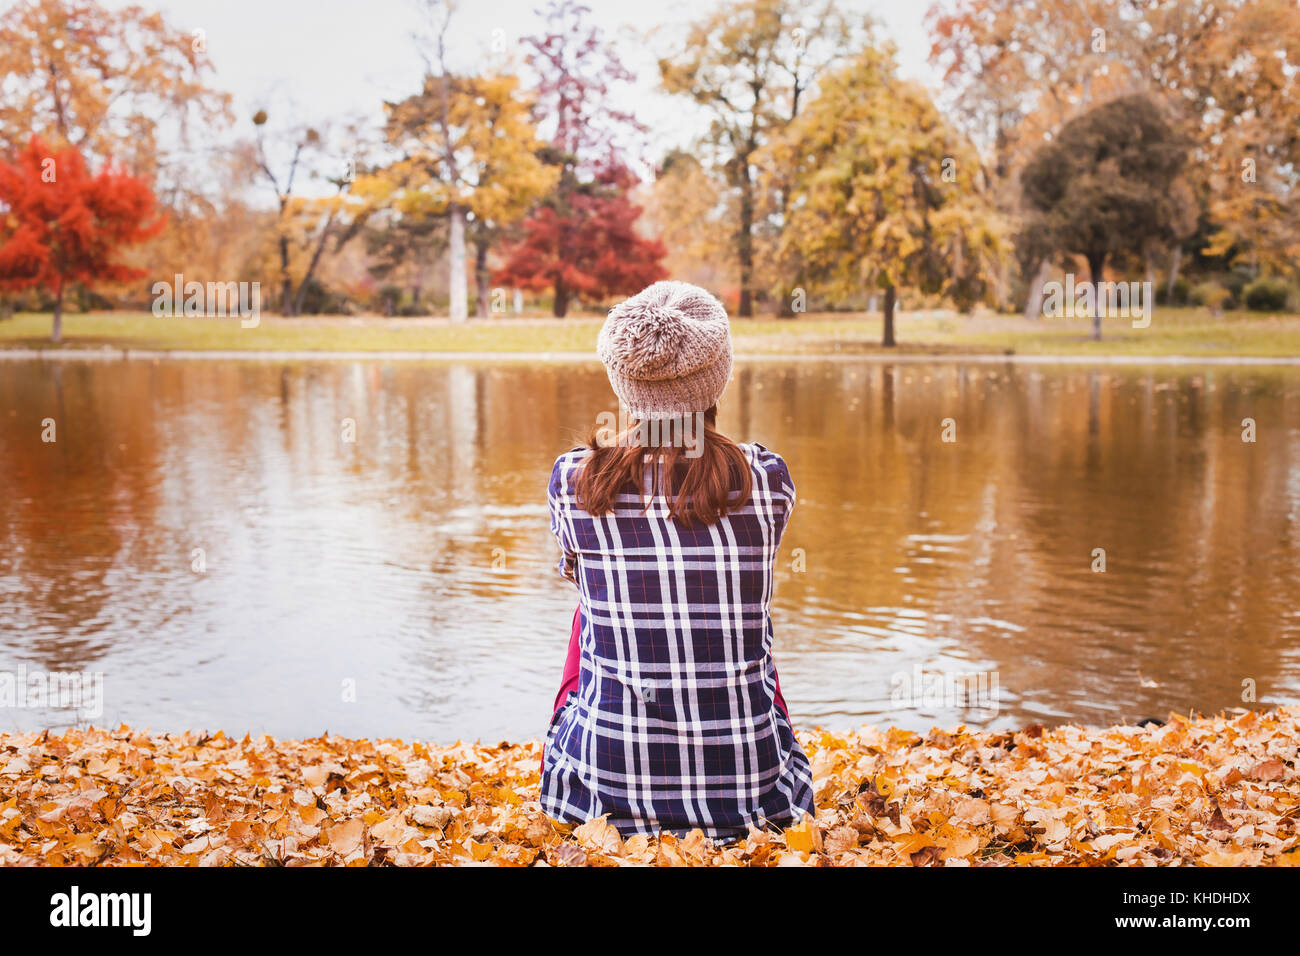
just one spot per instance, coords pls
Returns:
(60, 225)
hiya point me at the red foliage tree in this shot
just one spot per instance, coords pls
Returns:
(60, 225)
(584, 246)
(581, 241)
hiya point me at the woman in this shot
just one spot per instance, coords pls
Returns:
(670, 716)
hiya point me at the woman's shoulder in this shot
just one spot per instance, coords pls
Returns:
(562, 472)
(573, 456)
(769, 463)
(761, 455)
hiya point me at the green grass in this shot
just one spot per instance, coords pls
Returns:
(142, 330)
(1192, 332)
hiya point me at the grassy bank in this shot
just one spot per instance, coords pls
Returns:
(1191, 332)
(1209, 791)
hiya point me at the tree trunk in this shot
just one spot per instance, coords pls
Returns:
(459, 307)
(1175, 261)
(1002, 293)
(1150, 285)
(1034, 301)
(482, 277)
(1096, 265)
(561, 305)
(315, 261)
(56, 334)
(890, 298)
(786, 308)
(286, 287)
(745, 241)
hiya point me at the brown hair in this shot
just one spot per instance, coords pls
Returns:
(703, 488)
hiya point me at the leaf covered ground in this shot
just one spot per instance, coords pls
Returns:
(1212, 791)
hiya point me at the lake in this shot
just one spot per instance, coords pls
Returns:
(202, 535)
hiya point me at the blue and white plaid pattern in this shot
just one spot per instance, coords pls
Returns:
(674, 724)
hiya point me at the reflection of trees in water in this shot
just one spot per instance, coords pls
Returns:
(76, 513)
(450, 468)
(1037, 479)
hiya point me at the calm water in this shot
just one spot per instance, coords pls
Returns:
(412, 569)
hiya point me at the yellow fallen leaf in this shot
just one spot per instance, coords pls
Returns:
(345, 838)
(801, 837)
(964, 844)
(598, 835)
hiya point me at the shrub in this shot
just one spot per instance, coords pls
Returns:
(1211, 295)
(318, 300)
(389, 299)
(31, 300)
(1181, 294)
(88, 300)
(1266, 295)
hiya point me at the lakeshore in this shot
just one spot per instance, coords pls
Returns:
(1208, 791)
(1185, 333)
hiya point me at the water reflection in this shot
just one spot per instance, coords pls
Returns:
(411, 569)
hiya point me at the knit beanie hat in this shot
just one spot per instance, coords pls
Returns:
(667, 350)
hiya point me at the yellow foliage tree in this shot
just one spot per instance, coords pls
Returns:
(468, 152)
(885, 194)
(693, 214)
(752, 64)
(105, 81)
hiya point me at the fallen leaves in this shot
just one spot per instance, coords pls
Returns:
(346, 838)
(1211, 791)
(598, 835)
(1268, 770)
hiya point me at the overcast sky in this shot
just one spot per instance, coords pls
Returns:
(344, 57)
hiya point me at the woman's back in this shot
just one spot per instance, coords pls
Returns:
(674, 723)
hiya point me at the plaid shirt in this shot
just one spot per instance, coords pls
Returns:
(674, 724)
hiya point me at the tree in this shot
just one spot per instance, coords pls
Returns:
(1106, 186)
(304, 140)
(884, 193)
(1231, 72)
(581, 240)
(1016, 70)
(215, 232)
(588, 248)
(691, 212)
(578, 74)
(469, 154)
(307, 223)
(493, 177)
(506, 167)
(403, 246)
(1223, 71)
(113, 83)
(59, 225)
(751, 65)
